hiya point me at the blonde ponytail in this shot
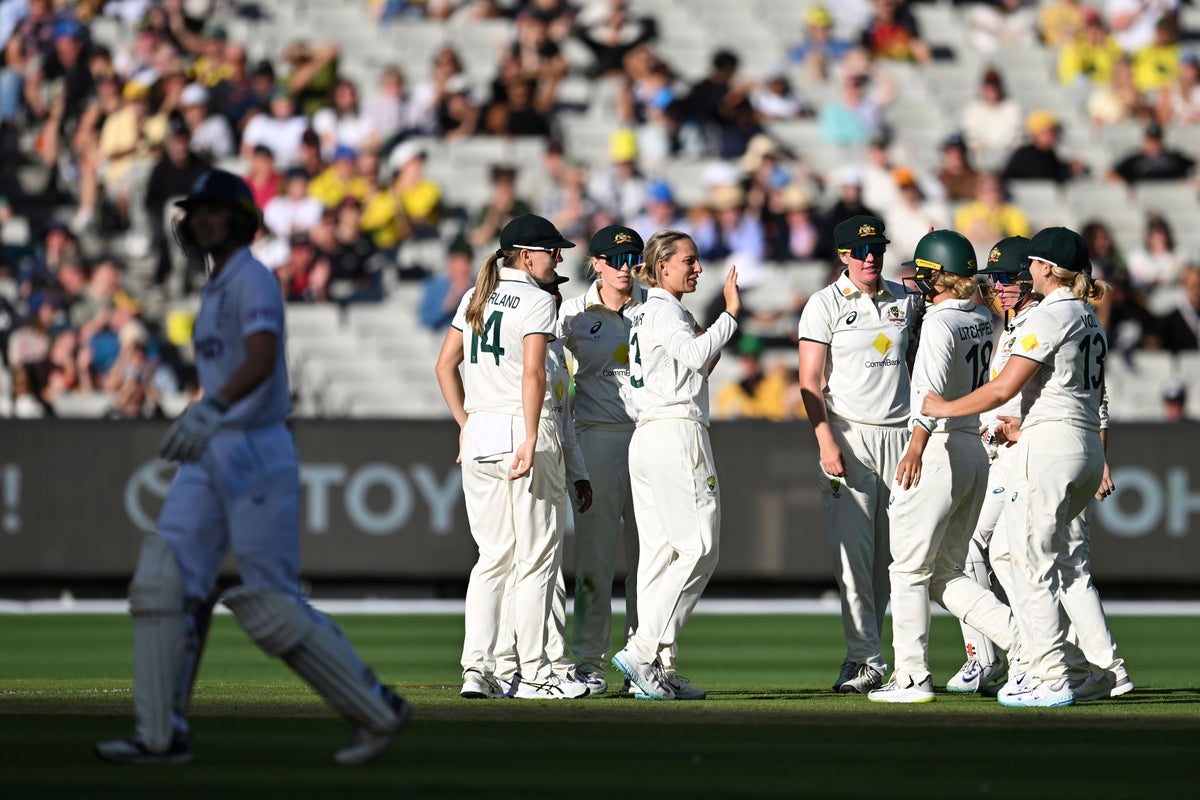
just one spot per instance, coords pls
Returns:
(962, 286)
(485, 284)
(661, 247)
(1082, 285)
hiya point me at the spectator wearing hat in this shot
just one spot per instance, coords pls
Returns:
(796, 238)
(281, 130)
(410, 206)
(343, 123)
(958, 178)
(990, 218)
(1038, 159)
(1153, 161)
(849, 182)
(442, 292)
(991, 122)
(913, 215)
(341, 179)
(126, 148)
(57, 89)
(660, 214)
(211, 137)
(172, 176)
(619, 188)
(820, 49)
(1179, 102)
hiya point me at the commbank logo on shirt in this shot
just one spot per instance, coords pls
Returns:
(882, 344)
(621, 354)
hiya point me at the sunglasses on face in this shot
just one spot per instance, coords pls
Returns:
(861, 251)
(622, 260)
(1003, 279)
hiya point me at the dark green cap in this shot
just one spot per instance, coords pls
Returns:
(615, 240)
(859, 229)
(531, 232)
(1062, 247)
(1009, 257)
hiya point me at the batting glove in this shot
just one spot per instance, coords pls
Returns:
(189, 435)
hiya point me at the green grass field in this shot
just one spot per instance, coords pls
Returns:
(770, 728)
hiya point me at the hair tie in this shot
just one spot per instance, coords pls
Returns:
(500, 252)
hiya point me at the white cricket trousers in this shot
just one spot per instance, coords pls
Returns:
(988, 554)
(1056, 470)
(516, 526)
(930, 530)
(678, 505)
(856, 528)
(610, 520)
(1088, 625)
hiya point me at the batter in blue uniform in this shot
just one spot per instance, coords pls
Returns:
(238, 486)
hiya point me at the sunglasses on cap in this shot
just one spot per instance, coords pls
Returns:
(555, 252)
(622, 260)
(861, 251)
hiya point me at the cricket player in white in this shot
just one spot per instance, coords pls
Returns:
(988, 554)
(1096, 670)
(595, 329)
(500, 335)
(939, 483)
(855, 385)
(238, 486)
(1058, 464)
(675, 493)
(558, 384)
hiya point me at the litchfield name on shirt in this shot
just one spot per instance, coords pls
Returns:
(975, 331)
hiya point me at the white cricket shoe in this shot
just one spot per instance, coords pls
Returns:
(682, 687)
(596, 682)
(131, 750)
(477, 686)
(1102, 686)
(649, 678)
(1040, 694)
(848, 671)
(909, 691)
(974, 676)
(366, 745)
(553, 688)
(1015, 683)
(866, 679)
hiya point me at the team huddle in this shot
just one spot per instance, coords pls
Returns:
(957, 462)
(924, 498)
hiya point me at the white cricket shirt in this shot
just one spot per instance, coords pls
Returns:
(242, 300)
(598, 341)
(866, 379)
(952, 360)
(1063, 335)
(493, 361)
(668, 370)
(1003, 349)
(558, 404)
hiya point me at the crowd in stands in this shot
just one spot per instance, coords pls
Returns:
(340, 168)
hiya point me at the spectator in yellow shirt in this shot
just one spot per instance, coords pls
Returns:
(411, 207)
(1060, 22)
(759, 394)
(341, 179)
(1089, 59)
(989, 218)
(1156, 66)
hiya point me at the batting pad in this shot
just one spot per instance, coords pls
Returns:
(159, 635)
(317, 651)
